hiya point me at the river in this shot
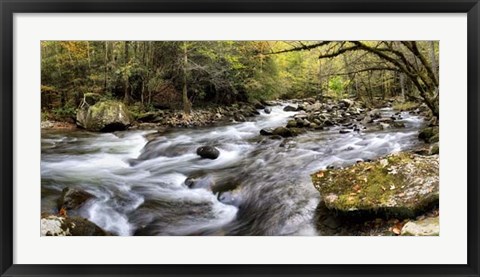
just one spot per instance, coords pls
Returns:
(261, 186)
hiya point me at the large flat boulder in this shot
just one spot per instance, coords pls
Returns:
(106, 116)
(399, 185)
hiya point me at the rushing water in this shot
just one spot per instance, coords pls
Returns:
(261, 186)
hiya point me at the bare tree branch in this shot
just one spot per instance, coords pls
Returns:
(300, 48)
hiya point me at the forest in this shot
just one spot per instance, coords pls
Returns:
(240, 138)
(149, 75)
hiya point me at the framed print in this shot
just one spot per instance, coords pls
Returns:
(239, 138)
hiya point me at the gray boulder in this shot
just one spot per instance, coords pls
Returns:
(107, 116)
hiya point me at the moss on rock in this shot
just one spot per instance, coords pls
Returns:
(429, 134)
(104, 116)
(400, 185)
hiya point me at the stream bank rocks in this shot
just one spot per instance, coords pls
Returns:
(401, 185)
(106, 116)
(199, 117)
(350, 116)
(54, 225)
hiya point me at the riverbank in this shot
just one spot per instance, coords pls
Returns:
(199, 117)
(312, 114)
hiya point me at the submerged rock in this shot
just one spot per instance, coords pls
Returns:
(107, 116)
(53, 225)
(72, 198)
(267, 110)
(208, 152)
(197, 182)
(401, 185)
(425, 227)
(229, 198)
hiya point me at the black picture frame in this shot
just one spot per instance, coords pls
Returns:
(10, 7)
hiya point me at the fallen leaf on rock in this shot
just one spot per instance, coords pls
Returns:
(399, 225)
(62, 212)
(397, 228)
(396, 231)
(320, 174)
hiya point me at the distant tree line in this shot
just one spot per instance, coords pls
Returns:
(186, 74)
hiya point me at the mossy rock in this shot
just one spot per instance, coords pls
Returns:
(286, 132)
(106, 116)
(399, 185)
(91, 98)
(429, 134)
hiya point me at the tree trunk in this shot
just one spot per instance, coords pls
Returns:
(88, 55)
(347, 69)
(433, 59)
(127, 97)
(402, 86)
(435, 72)
(187, 107)
(106, 67)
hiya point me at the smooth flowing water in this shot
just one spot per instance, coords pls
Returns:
(261, 186)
